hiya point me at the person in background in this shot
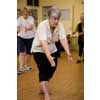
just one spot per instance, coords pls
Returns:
(80, 30)
(25, 36)
(44, 49)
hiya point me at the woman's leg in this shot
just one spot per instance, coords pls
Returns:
(80, 51)
(21, 52)
(52, 70)
(27, 65)
(21, 59)
(45, 72)
(58, 47)
(41, 61)
(28, 43)
(79, 55)
(21, 63)
(27, 59)
(44, 87)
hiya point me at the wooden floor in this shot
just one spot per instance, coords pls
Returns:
(66, 84)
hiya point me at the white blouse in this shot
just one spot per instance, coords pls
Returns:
(22, 23)
(44, 33)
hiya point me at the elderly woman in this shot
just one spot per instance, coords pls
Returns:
(44, 49)
(25, 37)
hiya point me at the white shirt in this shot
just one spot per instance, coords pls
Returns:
(22, 23)
(44, 33)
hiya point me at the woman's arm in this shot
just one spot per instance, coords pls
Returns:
(64, 43)
(46, 50)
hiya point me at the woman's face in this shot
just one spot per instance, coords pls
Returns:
(25, 14)
(53, 21)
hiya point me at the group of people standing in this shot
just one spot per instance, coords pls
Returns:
(42, 44)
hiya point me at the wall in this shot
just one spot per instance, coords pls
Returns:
(75, 6)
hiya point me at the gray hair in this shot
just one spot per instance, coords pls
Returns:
(54, 11)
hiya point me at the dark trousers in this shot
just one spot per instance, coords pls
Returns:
(58, 47)
(24, 45)
(81, 47)
(46, 71)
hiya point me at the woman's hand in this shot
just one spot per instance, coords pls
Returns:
(29, 27)
(51, 60)
(70, 58)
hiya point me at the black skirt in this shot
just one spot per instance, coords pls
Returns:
(46, 71)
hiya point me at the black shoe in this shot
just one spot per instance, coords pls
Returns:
(78, 61)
